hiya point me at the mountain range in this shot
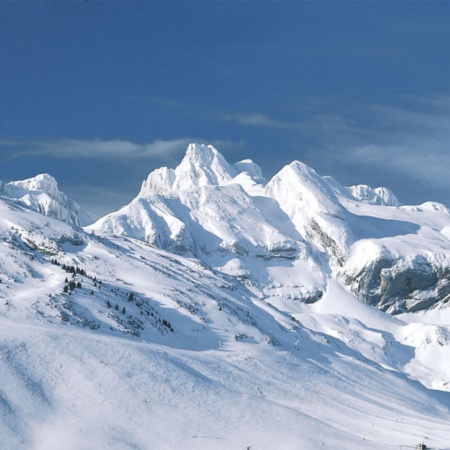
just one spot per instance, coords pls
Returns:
(223, 310)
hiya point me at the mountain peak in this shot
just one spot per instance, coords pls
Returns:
(202, 165)
(42, 182)
(250, 167)
(378, 196)
(201, 152)
(41, 194)
(302, 187)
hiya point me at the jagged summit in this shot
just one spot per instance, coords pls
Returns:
(41, 194)
(202, 165)
(42, 182)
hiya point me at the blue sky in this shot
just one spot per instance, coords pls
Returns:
(98, 94)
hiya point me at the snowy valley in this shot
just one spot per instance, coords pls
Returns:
(223, 310)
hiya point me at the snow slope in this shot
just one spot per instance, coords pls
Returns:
(238, 324)
(234, 372)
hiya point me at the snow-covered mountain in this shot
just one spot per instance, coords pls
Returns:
(220, 310)
(41, 194)
(391, 256)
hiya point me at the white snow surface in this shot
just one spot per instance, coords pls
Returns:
(213, 312)
(378, 196)
(41, 194)
(232, 219)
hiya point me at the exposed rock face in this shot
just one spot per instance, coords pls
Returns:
(313, 208)
(400, 285)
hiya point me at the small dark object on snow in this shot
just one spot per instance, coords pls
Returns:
(422, 446)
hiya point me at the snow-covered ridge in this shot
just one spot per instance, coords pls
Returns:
(378, 196)
(233, 219)
(41, 194)
(257, 342)
(202, 165)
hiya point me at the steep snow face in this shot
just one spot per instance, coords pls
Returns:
(204, 207)
(217, 212)
(313, 208)
(41, 194)
(150, 220)
(378, 196)
(286, 238)
(203, 221)
(202, 165)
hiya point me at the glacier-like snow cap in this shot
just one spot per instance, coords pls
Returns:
(378, 196)
(41, 194)
(42, 182)
(250, 167)
(202, 165)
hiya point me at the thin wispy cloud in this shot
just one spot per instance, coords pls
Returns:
(105, 149)
(410, 138)
(434, 100)
(402, 146)
(424, 160)
(316, 123)
(260, 120)
(98, 149)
